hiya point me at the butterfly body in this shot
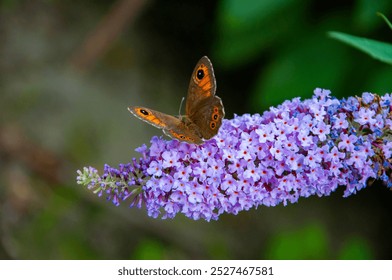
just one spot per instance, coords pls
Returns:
(203, 109)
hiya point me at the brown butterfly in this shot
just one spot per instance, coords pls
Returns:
(203, 109)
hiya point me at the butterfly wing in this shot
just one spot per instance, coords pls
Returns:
(208, 116)
(171, 126)
(202, 85)
(203, 107)
(204, 111)
(155, 118)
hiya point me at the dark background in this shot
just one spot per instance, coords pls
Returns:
(69, 69)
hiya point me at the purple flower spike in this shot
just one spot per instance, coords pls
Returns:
(298, 149)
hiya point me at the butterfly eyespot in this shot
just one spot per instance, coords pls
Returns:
(200, 74)
(216, 110)
(144, 112)
(212, 125)
(215, 116)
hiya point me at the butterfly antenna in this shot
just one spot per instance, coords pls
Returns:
(182, 101)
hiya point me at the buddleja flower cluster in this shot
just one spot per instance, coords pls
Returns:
(298, 149)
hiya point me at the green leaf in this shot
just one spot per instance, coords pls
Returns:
(380, 81)
(310, 242)
(311, 62)
(356, 248)
(386, 20)
(244, 28)
(149, 249)
(378, 50)
(364, 11)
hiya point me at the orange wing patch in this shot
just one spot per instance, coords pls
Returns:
(182, 137)
(206, 84)
(202, 78)
(146, 115)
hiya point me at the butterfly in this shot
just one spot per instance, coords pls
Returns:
(204, 110)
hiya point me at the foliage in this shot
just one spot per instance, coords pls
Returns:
(264, 52)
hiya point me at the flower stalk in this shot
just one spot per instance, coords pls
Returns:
(298, 149)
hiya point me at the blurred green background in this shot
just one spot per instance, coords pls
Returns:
(69, 69)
